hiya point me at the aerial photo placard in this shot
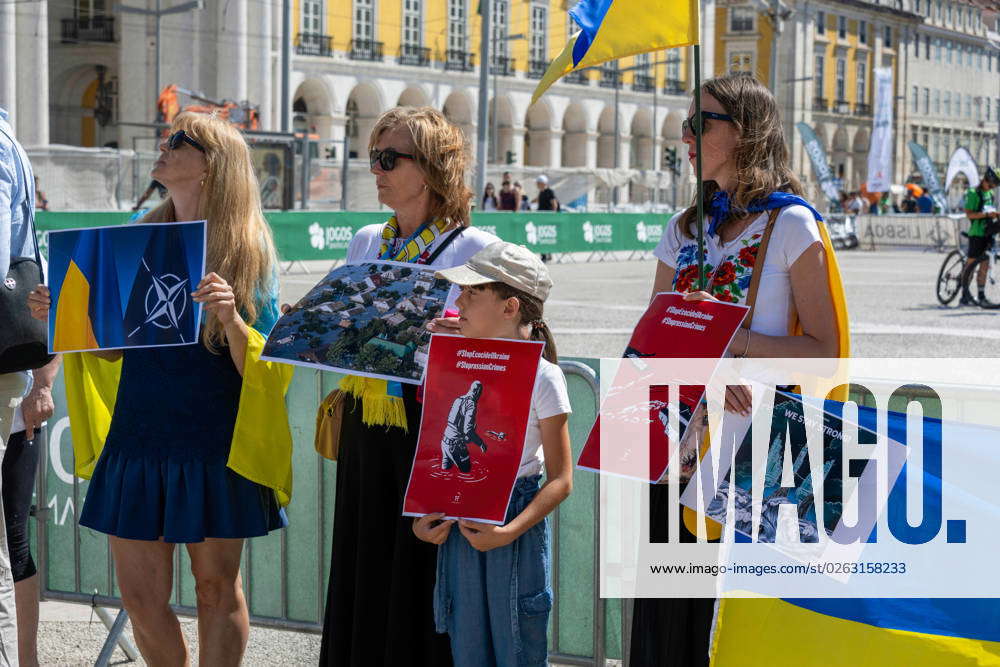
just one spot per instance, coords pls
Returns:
(368, 318)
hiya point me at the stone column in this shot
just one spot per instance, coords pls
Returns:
(8, 58)
(32, 113)
(591, 139)
(624, 151)
(262, 91)
(231, 50)
(555, 148)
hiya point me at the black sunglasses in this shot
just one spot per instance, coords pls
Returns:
(387, 158)
(694, 127)
(179, 137)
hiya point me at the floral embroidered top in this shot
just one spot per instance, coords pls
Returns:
(729, 267)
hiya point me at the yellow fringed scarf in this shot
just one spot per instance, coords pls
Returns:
(382, 400)
(379, 407)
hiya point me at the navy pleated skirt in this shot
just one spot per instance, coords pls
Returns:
(162, 473)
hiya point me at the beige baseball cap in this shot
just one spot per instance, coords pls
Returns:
(507, 263)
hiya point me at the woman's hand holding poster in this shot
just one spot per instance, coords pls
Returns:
(476, 403)
(670, 328)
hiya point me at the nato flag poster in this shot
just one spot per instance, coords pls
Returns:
(127, 286)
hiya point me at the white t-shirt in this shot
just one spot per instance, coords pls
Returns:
(549, 398)
(794, 230)
(365, 245)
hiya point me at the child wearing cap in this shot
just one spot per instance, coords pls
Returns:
(493, 593)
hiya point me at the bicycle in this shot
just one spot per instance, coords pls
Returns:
(991, 289)
(953, 275)
(950, 275)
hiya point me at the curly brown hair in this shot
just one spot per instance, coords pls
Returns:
(761, 155)
(442, 154)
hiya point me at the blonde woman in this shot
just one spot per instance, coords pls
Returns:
(379, 604)
(182, 462)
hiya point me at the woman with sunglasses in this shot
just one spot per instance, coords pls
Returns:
(379, 604)
(751, 197)
(182, 460)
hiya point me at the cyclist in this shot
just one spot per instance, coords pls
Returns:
(980, 208)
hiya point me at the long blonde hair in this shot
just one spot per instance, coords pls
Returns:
(442, 154)
(761, 155)
(240, 247)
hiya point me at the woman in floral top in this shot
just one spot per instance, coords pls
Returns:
(746, 174)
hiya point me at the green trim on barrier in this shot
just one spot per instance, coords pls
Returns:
(325, 235)
(287, 572)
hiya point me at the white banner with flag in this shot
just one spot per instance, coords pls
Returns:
(880, 152)
(962, 163)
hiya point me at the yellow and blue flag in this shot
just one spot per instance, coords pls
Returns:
(873, 632)
(125, 286)
(88, 307)
(611, 29)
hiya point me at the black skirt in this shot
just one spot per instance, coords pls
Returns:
(379, 605)
(669, 631)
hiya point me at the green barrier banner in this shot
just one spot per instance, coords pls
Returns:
(309, 235)
(325, 235)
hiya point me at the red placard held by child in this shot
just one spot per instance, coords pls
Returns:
(476, 404)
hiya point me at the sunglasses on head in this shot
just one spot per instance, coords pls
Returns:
(387, 159)
(175, 140)
(694, 124)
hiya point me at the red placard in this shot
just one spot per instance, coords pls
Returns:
(670, 328)
(477, 393)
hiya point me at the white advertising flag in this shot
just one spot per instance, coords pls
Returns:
(880, 152)
(962, 163)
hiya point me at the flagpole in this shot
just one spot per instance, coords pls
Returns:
(699, 203)
(484, 96)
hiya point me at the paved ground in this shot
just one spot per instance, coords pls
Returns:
(592, 309)
(70, 636)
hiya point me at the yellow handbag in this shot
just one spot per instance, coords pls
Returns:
(329, 418)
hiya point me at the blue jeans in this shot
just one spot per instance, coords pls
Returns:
(495, 605)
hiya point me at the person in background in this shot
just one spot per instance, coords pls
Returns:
(41, 202)
(508, 198)
(925, 203)
(909, 204)
(489, 202)
(546, 198)
(546, 201)
(523, 203)
(855, 204)
(981, 210)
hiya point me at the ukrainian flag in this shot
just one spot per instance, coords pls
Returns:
(874, 632)
(88, 312)
(611, 29)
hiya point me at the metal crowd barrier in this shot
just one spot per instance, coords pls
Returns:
(930, 232)
(285, 574)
